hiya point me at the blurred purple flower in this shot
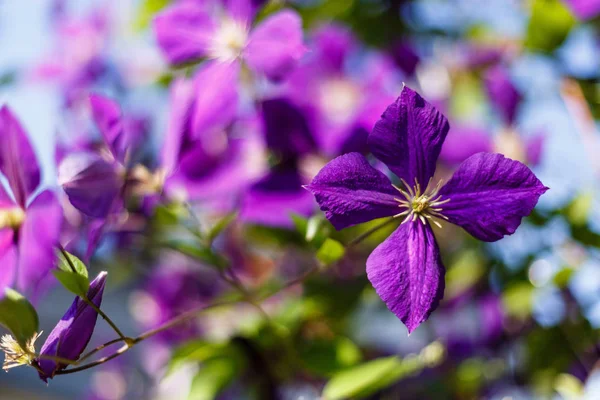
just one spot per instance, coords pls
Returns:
(26, 251)
(272, 199)
(171, 290)
(341, 103)
(466, 141)
(502, 93)
(584, 9)
(189, 31)
(94, 180)
(488, 196)
(71, 335)
(211, 160)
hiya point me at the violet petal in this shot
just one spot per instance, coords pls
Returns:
(8, 259)
(38, 237)
(17, 158)
(91, 183)
(276, 45)
(409, 137)
(350, 191)
(407, 273)
(490, 194)
(216, 97)
(184, 32)
(108, 119)
(502, 93)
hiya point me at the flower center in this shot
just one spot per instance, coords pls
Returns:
(339, 98)
(12, 217)
(422, 205)
(14, 354)
(229, 40)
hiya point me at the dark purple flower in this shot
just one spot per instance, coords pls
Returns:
(502, 93)
(26, 251)
(94, 180)
(71, 335)
(342, 101)
(584, 9)
(488, 196)
(189, 31)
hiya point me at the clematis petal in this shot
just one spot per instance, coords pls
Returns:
(333, 43)
(17, 158)
(584, 9)
(243, 11)
(490, 194)
(184, 32)
(502, 93)
(286, 128)
(462, 142)
(274, 198)
(8, 259)
(535, 148)
(216, 97)
(91, 183)
(38, 237)
(108, 119)
(180, 102)
(276, 45)
(350, 191)
(72, 333)
(409, 137)
(407, 273)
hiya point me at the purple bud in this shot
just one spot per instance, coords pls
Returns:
(71, 335)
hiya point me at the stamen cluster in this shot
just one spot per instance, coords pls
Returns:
(422, 205)
(15, 355)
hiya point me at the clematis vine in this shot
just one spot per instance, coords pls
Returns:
(26, 251)
(488, 196)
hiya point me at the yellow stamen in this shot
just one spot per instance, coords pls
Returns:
(421, 205)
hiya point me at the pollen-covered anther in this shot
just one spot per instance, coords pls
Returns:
(12, 217)
(423, 205)
(14, 354)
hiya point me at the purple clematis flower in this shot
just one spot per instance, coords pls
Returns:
(488, 195)
(502, 93)
(26, 251)
(94, 180)
(189, 31)
(71, 335)
(584, 9)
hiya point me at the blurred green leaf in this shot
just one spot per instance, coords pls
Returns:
(72, 274)
(18, 316)
(330, 252)
(327, 357)
(147, 10)
(550, 23)
(220, 226)
(578, 211)
(562, 277)
(465, 271)
(569, 387)
(216, 374)
(195, 351)
(517, 299)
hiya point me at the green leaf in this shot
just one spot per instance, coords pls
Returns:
(327, 357)
(330, 252)
(373, 376)
(194, 351)
(214, 376)
(578, 211)
(517, 299)
(147, 10)
(72, 274)
(221, 225)
(549, 25)
(364, 379)
(18, 316)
